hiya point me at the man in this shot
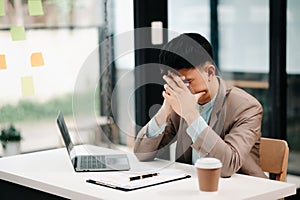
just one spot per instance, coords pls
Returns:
(205, 116)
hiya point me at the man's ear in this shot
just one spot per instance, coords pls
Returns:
(210, 70)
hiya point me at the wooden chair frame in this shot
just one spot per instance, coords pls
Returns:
(274, 155)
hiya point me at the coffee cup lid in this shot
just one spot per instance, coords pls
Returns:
(208, 163)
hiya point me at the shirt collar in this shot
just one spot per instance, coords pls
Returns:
(208, 105)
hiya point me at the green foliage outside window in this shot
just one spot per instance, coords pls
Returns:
(33, 110)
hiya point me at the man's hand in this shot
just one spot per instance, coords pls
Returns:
(163, 113)
(183, 102)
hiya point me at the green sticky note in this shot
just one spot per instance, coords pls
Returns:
(2, 8)
(27, 86)
(17, 33)
(35, 7)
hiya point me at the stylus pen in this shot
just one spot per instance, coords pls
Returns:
(133, 178)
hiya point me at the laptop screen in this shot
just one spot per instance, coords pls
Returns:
(64, 131)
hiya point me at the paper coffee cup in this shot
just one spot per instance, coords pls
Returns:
(208, 170)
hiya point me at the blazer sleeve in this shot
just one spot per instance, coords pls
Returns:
(147, 149)
(242, 130)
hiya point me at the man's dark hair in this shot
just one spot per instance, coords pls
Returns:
(188, 50)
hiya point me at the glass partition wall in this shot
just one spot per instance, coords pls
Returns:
(244, 48)
(53, 57)
(293, 84)
(44, 45)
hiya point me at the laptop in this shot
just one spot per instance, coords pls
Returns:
(85, 158)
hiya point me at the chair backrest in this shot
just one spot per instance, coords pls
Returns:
(274, 155)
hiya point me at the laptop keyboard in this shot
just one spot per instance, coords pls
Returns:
(92, 162)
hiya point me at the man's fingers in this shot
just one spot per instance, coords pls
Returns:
(169, 90)
(179, 81)
(170, 81)
(169, 98)
(198, 95)
(166, 97)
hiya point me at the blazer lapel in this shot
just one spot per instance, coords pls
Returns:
(218, 114)
(183, 148)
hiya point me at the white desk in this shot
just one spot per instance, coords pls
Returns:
(51, 172)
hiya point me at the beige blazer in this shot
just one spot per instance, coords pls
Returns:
(233, 135)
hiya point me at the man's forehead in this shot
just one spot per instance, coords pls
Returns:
(189, 71)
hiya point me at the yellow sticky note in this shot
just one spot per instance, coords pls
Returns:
(35, 7)
(17, 33)
(2, 62)
(37, 59)
(27, 86)
(2, 8)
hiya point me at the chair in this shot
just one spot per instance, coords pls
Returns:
(274, 155)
